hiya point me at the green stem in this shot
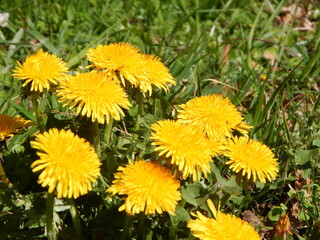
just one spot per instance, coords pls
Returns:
(95, 137)
(197, 18)
(108, 131)
(50, 228)
(224, 199)
(75, 218)
(183, 203)
(139, 99)
(3, 176)
(127, 227)
(37, 111)
(142, 228)
(239, 179)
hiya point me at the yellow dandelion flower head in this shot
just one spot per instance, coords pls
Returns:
(216, 115)
(149, 188)
(217, 146)
(95, 94)
(124, 61)
(41, 69)
(156, 73)
(10, 125)
(187, 146)
(68, 163)
(253, 158)
(222, 227)
(118, 58)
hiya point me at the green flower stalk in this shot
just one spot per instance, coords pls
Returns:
(50, 223)
(37, 111)
(139, 99)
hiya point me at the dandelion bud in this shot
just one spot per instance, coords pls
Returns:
(282, 230)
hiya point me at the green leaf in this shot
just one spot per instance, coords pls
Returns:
(292, 193)
(76, 59)
(303, 216)
(80, 55)
(16, 39)
(303, 157)
(232, 190)
(228, 186)
(275, 213)
(25, 112)
(316, 142)
(61, 208)
(236, 199)
(43, 40)
(181, 215)
(193, 194)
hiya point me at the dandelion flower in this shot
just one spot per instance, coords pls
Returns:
(149, 188)
(157, 74)
(187, 146)
(216, 115)
(41, 69)
(126, 62)
(10, 125)
(118, 58)
(252, 158)
(221, 227)
(95, 94)
(68, 163)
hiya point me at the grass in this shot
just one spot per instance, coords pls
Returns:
(246, 50)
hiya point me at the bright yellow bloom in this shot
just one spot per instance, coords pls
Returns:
(11, 125)
(95, 94)
(41, 69)
(187, 146)
(216, 115)
(252, 158)
(67, 163)
(149, 188)
(221, 227)
(126, 62)
(118, 58)
(157, 74)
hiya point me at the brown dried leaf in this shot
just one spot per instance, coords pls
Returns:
(251, 218)
(295, 10)
(224, 55)
(299, 12)
(270, 56)
(287, 17)
(300, 182)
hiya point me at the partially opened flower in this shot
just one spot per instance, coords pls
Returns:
(95, 94)
(187, 146)
(148, 187)
(41, 70)
(124, 61)
(252, 158)
(216, 115)
(282, 230)
(10, 125)
(221, 227)
(68, 164)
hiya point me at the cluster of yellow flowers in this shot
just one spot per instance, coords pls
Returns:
(97, 94)
(204, 128)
